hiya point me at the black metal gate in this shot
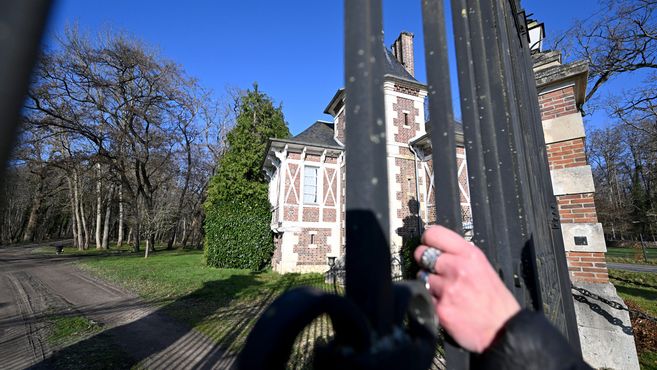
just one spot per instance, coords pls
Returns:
(514, 210)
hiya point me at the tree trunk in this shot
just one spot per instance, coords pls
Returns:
(119, 240)
(185, 234)
(108, 212)
(28, 236)
(99, 207)
(74, 221)
(183, 193)
(137, 227)
(150, 244)
(78, 217)
(84, 226)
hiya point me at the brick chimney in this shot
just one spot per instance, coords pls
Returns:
(402, 49)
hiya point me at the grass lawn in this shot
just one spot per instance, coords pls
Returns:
(639, 290)
(222, 303)
(631, 255)
(64, 329)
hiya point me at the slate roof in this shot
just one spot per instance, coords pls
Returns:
(394, 68)
(319, 133)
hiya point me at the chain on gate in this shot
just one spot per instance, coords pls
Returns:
(613, 304)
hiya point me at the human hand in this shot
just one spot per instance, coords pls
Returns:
(471, 302)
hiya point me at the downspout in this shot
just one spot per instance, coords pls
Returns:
(420, 227)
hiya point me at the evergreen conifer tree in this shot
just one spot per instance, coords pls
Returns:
(237, 208)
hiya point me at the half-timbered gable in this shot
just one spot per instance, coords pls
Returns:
(304, 192)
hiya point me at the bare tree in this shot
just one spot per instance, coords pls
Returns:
(618, 40)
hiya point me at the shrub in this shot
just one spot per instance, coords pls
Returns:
(409, 266)
(238, 235)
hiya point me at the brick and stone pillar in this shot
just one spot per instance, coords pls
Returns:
(605, 333)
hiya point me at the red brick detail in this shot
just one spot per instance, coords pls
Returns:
(329, 215)
(292, 155)
(343, 186)
(291, 181)
(408, 197)
(587, 266)
(405, 132)
(340, 127)
(577, 208)
(313, 157)
(314, 254)
(310, 214)
(291, 213)
(557, 103)
(332, 160)
(566, 154)
(431, 204)
(329, 187)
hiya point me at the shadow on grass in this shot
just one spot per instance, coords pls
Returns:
(637, 292)
(223, 311)
(634, 282)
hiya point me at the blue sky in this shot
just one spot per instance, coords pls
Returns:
(292, 48)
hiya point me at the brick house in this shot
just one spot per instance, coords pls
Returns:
(307, 173)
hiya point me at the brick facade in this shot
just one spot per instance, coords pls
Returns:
(577, 208)
(557, 103)
(313, 246)
(340, 126)
(588, 266)
(566, 154)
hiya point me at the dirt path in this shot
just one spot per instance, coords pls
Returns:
(33, 287)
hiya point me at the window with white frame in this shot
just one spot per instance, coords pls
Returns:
(310, 184)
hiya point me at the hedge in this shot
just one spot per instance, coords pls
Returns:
(238, 235)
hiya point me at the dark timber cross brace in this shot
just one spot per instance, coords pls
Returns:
(379, 325)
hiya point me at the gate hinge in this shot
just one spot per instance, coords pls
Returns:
(555, 220)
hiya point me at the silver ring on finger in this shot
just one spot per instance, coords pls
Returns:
(429, 258)
(424, 278)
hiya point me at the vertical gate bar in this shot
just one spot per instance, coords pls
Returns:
(443, 141)
(487, 99)
(544, 186)
(510, 154)
(508, 45)
(505, 187)
(480, 204)
(23, 22)
(368, 270)
(538, 221)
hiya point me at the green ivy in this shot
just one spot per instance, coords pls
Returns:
(238, 235)
(409, 266)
